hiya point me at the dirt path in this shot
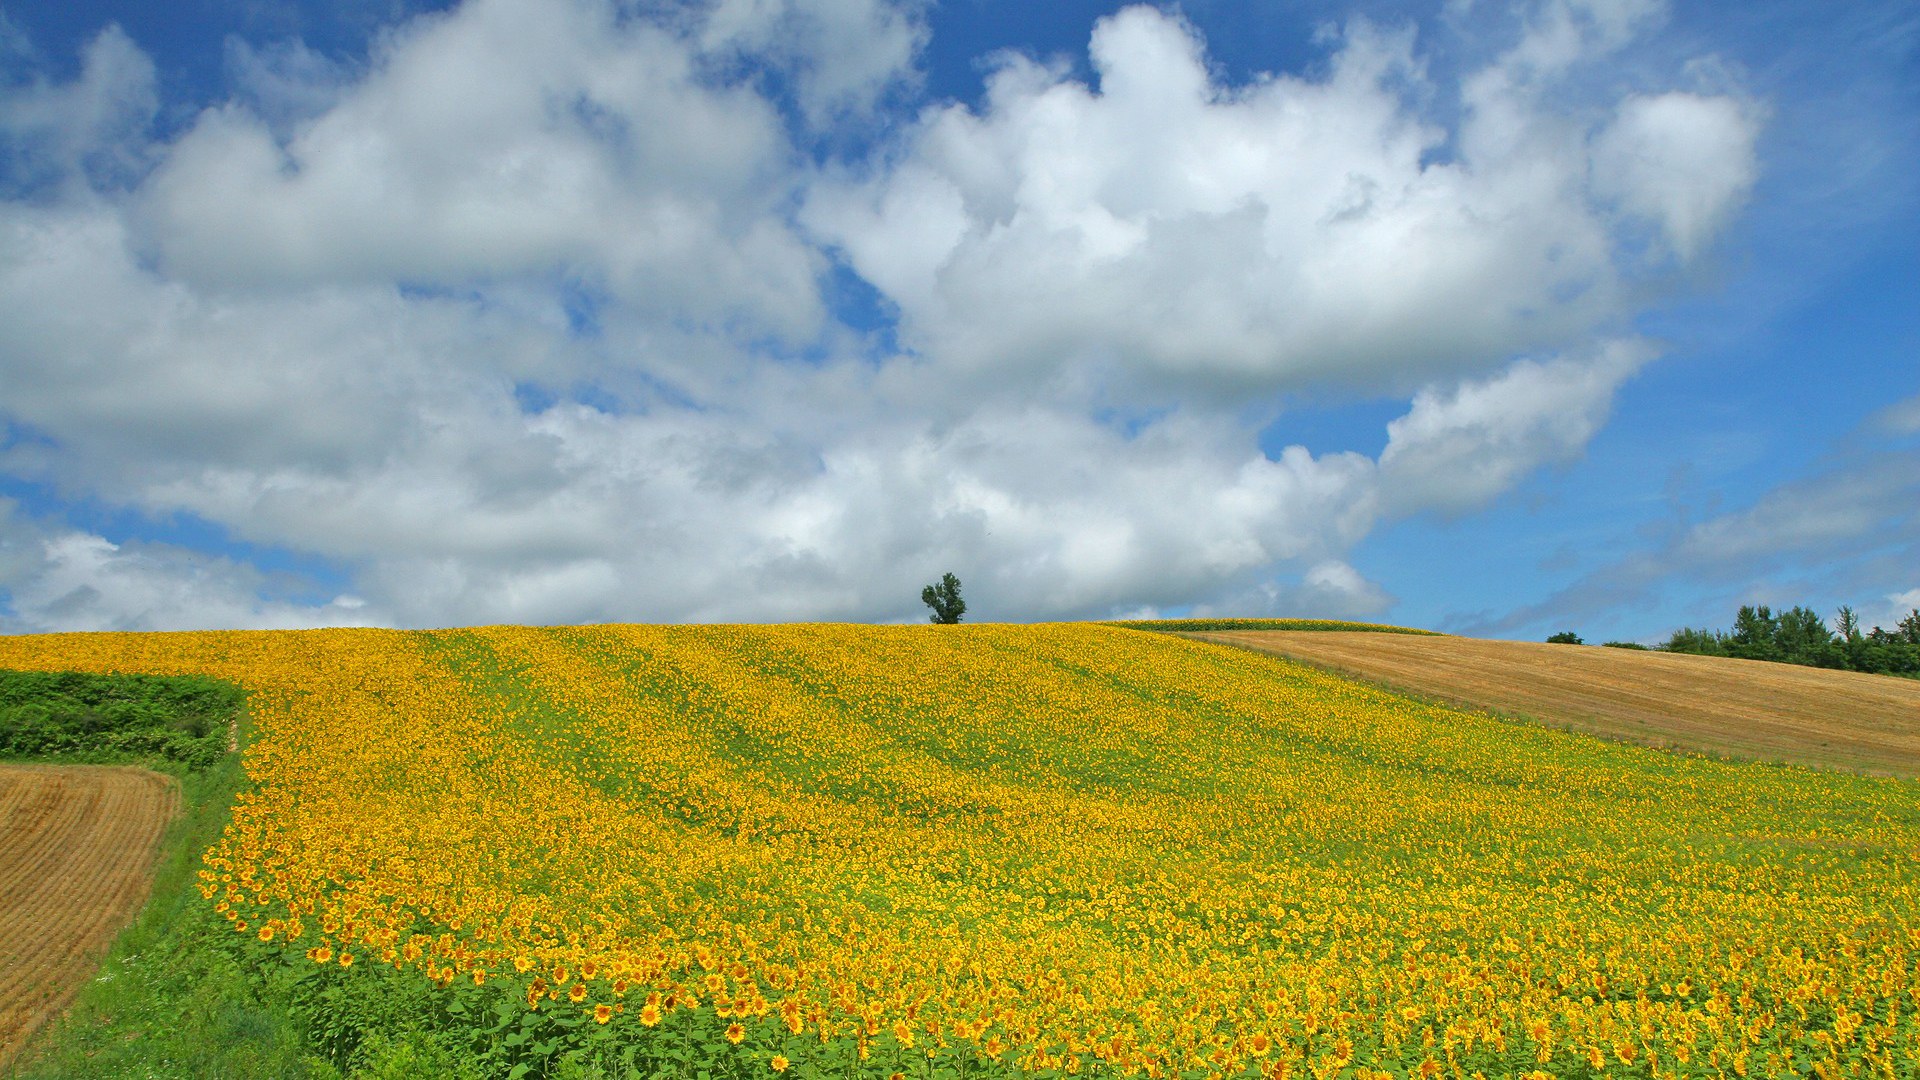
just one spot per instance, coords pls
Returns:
(77, 844)
(1737, 708)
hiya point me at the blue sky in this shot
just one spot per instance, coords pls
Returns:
(1495, 318)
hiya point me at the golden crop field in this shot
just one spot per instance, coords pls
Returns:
(1020, 850)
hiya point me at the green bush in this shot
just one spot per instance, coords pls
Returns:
(80, 718)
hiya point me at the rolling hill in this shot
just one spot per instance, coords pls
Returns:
(1733, 708)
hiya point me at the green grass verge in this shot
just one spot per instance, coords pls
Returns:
(1335, 625)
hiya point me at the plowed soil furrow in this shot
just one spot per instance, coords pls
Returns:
(51, 813)
(1737, 708)
(77, 845)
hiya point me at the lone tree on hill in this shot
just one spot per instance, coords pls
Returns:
(944, 599)
(1565, 637)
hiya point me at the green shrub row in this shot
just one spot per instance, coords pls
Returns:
(78, 718)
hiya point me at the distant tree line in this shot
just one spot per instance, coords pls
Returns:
(1799, 635)
(1568, 637)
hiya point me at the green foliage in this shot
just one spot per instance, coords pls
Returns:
(1697, 641)
(1847, 623)
(944, 599)
(1197, 625)
(1799, 636)
(1624, 645)
(114, 719)
(1565, 637)
(375, 1022)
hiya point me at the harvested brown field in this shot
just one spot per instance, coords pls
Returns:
(1732, 708)
(77, 844)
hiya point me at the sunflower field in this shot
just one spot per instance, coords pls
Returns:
(1026, 851)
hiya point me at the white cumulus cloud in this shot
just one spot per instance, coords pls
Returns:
(1460, 448)
(1158, 224)
(844, 55)
(55, 579)
(505, 138)
(525, 318)
(1682, 161)
(95, 126)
